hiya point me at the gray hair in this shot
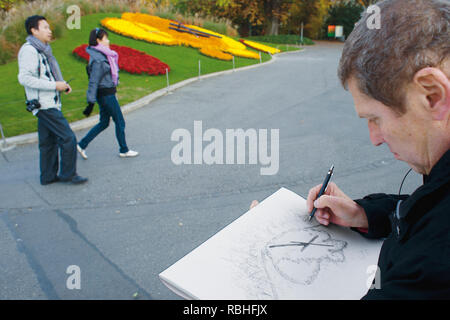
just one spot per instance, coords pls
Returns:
(414, 34)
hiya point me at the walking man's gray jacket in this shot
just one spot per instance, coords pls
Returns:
(43, 84)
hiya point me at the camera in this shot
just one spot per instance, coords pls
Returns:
(32, 105)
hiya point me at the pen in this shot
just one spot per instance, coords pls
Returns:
(322, 190)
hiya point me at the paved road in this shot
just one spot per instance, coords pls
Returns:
(137, 216)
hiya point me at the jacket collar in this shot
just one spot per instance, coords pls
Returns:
(440, 172)
(404, 216)
(438, 177)
(95, 54)
(402, 219)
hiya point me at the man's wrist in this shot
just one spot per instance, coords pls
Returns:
(361, 221)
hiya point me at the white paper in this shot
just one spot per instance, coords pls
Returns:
(262, 255)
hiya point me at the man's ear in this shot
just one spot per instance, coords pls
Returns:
(434, 84)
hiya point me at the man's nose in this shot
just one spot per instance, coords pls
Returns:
(375, 134)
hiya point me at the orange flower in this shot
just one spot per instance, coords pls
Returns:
(214, 53)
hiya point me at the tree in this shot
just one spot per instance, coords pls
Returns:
(5, 5)
(268, 17)
(366, 3)
(275, 12)
(266, 13)
(345, 14)
(309, 12)
(269, 13)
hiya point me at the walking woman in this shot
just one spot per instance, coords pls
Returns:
(103, 72)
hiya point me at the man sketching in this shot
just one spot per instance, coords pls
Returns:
(399, 77)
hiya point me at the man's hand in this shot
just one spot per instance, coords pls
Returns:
(68, 90)
(62, 86)
(336, 207)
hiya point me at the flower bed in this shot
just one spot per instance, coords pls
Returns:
(139, 31)
(260, 47)
(131, 60)
(214, 53)
(163, 31)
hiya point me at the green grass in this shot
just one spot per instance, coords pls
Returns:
(281, 39)
(282, 47)
(183, 62)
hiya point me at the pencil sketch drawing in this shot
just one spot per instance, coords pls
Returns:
(292, 258)
(298, 255)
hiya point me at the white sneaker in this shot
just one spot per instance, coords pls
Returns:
(82, 152)
(129, 154)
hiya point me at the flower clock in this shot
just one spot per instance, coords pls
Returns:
(161, 31)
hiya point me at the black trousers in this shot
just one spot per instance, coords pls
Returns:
(55, 133)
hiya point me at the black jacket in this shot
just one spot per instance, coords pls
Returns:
(414, 261)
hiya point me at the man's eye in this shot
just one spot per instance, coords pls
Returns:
(374, 121)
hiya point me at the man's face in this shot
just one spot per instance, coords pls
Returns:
(43, 33)
(405, 135)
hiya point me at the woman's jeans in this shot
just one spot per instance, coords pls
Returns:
(109, 107)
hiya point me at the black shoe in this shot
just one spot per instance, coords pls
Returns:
(76, 179)
(56, 179)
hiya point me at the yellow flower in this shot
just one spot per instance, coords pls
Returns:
(261, 47)
(135, 31)
(214, 53)
(243, 53)
(163, 31)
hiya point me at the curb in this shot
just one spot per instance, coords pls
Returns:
(91, 121)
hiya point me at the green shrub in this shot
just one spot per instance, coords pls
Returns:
(282, 39)
(15, 32)
(85, 7)
(145, 10)
(166, 15)
(216, 27)
(7, 4)
(6, 51)
(58, 26)
(115, 8)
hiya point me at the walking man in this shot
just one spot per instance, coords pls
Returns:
(41, 77)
